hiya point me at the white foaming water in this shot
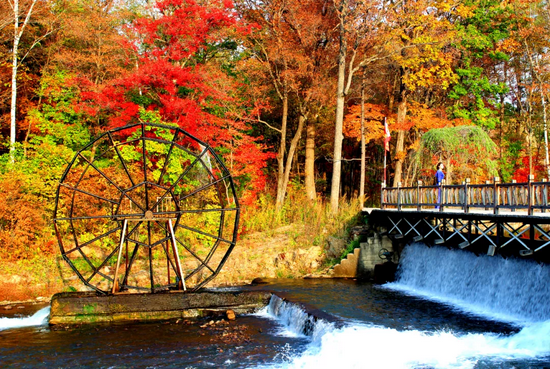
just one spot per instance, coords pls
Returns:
(39, 318)
(359, 346)
(295, 321)
(512, 290)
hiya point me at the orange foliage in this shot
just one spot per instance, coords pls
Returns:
(419, 117)
(22, 223)
(374, 127)
(423, 118)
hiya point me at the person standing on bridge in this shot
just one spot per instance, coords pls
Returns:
(439, 177)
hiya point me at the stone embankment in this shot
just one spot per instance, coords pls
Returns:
(362, 262)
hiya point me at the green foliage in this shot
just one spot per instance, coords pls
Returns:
(56, 118)
(476, 95)
(470, 146)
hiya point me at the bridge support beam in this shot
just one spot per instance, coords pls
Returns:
(490, 234)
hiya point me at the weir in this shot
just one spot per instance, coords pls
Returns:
(509, 289)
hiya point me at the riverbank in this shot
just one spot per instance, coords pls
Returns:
(285, 252)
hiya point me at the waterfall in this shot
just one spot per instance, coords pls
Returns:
(512, 290)
(504, 289)
(39, 318)
(361, 345)
(294, 319)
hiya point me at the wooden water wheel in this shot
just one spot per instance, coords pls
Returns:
(146, 207)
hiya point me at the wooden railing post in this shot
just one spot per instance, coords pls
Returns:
(544, 195)
(383, 195)
(441, 193)
(530, 180)
(512, 198)
(418, 193)
(398, 196)
(466, 195)
(486, 194)
(496, 194)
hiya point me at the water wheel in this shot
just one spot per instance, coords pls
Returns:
(146, 208)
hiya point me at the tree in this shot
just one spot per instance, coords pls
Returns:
(483, 26)
(178, 75)
(422, 58)
(467, 148)
(21, 10)
(360, 39)
(291, 50)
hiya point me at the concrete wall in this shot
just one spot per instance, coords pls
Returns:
(368, 257)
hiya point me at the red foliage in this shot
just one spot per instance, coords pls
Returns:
(522, 173)
(177, 75)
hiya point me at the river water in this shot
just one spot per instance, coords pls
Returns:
(448, 309)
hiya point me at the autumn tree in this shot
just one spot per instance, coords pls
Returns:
(177, 74)
(90, 39)
(422, 33)
(290, 51)
(360, 39)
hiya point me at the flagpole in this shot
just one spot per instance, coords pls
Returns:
(385, 151)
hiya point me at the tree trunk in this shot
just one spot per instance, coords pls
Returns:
(448, 172)
(338, 135)
(400, 144)
(17, 33)
(310, 161)
(292, 150)
(281, 188)
(363, 151)
(13, 107)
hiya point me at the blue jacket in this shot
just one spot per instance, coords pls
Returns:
(439, 176)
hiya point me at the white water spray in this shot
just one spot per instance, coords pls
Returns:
(39, 318)
(294, 320)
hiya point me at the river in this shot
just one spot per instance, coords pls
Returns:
(447, 309)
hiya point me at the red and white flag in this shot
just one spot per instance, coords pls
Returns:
(387, 135)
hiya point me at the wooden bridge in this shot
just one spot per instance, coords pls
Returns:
(492, 218)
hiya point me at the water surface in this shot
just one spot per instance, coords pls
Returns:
(448, 309)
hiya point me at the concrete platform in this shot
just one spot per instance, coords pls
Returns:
(75, 308)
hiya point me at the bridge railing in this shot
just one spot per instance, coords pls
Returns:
(492, 196)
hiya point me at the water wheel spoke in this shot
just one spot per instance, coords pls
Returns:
(120, 158)
(78, 247)
(203, 188)
(188, 249)
(199, 259)
(168, 157)
(181, 176)
(88, 193)
(110, 181)
(217, 238)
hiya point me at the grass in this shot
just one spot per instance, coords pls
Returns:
(317, 217)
